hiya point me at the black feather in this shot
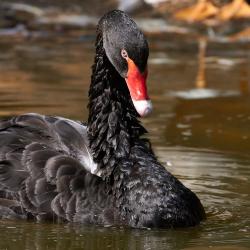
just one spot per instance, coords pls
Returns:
(54, 164)
(71, 208)
(44, 192)
(11, 177)
(52, 168)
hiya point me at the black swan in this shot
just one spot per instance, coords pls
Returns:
(102, 172)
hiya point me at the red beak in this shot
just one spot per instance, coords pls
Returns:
(136, 82)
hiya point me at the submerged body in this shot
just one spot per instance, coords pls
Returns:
(104, 173)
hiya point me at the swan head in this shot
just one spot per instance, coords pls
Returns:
(127, 49)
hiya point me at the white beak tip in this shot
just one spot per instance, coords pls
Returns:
(143, 107)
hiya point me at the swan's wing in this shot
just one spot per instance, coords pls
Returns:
(44, 162)
(74, 135)
(64, 135)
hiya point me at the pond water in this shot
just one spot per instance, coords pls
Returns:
(199, 130)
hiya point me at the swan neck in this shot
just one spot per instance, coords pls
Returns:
(113, 127)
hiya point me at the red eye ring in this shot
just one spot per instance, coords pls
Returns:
(124, 54)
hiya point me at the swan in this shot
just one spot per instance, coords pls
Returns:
(103, 172)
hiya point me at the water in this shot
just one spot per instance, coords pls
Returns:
(199, 129)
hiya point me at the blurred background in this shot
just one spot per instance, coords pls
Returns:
(199, 82)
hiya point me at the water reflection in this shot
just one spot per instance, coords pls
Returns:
(49, 236)
(214, 113)
(201, 78)
(202, 89)
(218, 123)
(43, 74)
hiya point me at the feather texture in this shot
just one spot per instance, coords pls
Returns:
(52, 168)
(41, 165)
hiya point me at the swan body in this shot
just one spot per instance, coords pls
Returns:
(102, 172)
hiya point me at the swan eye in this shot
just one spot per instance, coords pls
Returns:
(124, 54)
